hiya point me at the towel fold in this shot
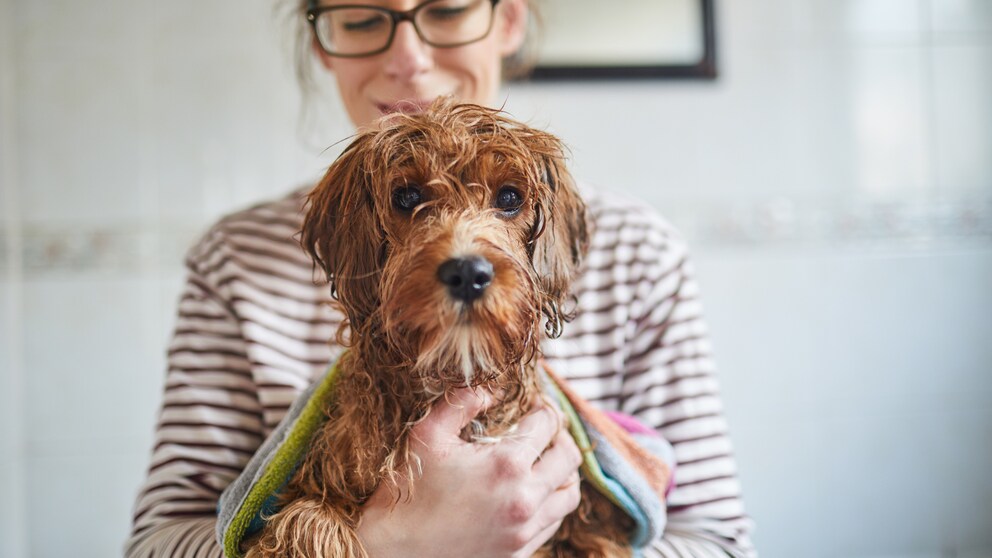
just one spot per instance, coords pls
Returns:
(624, 460)
(629, 464)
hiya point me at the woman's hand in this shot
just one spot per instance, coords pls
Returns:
(486, 500)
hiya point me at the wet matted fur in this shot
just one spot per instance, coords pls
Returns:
(457, 181)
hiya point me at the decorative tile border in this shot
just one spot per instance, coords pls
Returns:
(122, 248)
(897, 224)
(774, 223)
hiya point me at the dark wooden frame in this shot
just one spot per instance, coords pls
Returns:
(704, 70)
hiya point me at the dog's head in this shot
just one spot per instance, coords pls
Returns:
(448, 237)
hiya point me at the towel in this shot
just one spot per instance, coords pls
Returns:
(624, 460)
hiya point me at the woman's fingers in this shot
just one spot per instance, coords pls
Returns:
(452, 414)
(560, 462)
(556, 507)
(538, 429)
(538, 541)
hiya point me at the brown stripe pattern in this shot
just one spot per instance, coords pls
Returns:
(253, 330)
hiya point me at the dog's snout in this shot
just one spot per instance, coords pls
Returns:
(466, 278)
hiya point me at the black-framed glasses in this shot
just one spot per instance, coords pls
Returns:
(354, 30)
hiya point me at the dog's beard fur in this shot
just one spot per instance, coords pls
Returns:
(446, 342)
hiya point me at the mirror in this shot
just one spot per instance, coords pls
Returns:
(622, 39)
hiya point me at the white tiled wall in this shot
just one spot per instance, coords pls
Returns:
(857, 387)
(13, 539)
(13, 533)
(836, 182)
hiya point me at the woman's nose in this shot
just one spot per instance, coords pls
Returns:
(408, 55)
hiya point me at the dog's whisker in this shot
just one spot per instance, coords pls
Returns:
(478, 434)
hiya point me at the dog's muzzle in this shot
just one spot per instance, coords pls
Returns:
(466, 278)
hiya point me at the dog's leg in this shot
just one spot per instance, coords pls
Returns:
(307, 528)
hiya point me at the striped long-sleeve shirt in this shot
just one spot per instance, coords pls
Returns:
(253, 331)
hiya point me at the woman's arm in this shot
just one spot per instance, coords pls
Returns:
(209, 426)
(669, 384)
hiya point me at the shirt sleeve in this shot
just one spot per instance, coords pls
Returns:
(210, 422)
(670, 384)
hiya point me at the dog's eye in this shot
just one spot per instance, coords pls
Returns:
(407, 198)
(509, 200)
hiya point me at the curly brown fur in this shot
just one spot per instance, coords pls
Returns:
(410, 341)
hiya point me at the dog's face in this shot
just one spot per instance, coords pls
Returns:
(447, 236)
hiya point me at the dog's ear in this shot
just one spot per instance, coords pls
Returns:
(342, 235)
(560, 239)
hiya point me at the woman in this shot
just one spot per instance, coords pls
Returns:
(252, 333)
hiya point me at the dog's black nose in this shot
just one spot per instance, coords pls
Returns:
(466, 278)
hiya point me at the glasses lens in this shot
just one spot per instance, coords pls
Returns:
(454, 22)
(353, 31)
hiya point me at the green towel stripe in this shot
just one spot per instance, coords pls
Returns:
(281, 466)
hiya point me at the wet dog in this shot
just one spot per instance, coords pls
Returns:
(450, 239)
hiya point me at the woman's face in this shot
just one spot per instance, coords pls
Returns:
(411, 74)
